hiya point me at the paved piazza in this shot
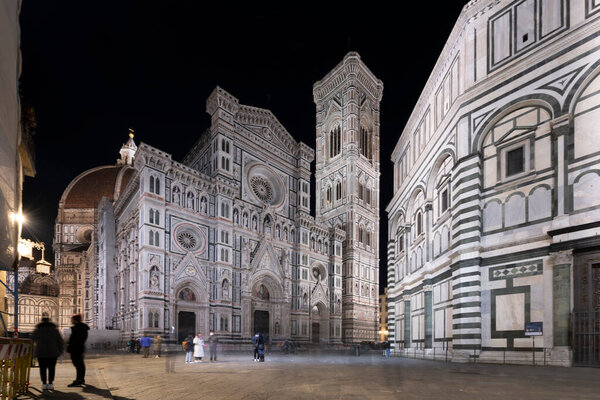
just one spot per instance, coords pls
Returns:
(236, 376)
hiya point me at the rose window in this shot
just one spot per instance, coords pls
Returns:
(262, 188)
(187, 240)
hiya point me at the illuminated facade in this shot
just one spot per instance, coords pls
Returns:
(494, 219)
(225, 240)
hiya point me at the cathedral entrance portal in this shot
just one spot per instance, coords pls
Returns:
(261, 322)
(186, 325)
(315, 332)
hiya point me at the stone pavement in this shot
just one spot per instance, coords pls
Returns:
(313, 376)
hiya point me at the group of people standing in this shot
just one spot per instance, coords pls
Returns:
(50, 345)
(194, 348)
(144, 343)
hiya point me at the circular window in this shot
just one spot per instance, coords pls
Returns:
(265, 185)
(262, 188)
(188, 238)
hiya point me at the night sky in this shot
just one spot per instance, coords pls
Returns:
(91, 70)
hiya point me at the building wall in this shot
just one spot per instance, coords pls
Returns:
(495, 178)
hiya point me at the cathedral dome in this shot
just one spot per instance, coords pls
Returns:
(87, 189)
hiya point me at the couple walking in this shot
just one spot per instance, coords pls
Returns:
(50, 345)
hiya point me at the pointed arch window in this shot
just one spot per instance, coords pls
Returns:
(151, 238)
(151, 184)
(328, 196)
(151, 216)
(365, 142)
(419, 223)
(335, 141)
(338, 191)
(156, 217)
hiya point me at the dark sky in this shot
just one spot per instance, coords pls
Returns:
(91, 70)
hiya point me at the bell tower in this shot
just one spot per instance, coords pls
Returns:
(347, 185)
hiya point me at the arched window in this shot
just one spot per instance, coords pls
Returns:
(156, 217)
(365, 142)
(150, 319)
(441, 192)
(419, 223)
(151, 216)
(328, 196)
(156, 241)
(335, 142)
(224, 209)
(338, 191)
(151, 184)
(151, 238)
(156, 320)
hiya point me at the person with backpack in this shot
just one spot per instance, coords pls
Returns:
(188, 346)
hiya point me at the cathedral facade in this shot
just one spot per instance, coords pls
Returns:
(493, 227)
(225, 241)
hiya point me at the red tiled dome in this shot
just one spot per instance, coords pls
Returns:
(86, 190)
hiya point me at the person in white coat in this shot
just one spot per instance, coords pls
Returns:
(198, 348)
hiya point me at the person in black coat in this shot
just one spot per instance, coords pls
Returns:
(49, 346)
(79, 334)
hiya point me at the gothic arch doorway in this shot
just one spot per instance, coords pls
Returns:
(269, 310)
(319, 323)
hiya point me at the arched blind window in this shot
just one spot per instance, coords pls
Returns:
(335, 141)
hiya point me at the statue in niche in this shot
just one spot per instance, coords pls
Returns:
(203, 205)
(225, 289)
(254, 223)
(190, 200)
(154, 278)
(245, 220)
(236, 217)
(177, 195)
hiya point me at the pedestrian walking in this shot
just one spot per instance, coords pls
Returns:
(157, 346)
(76, 347)
(212, 346)
(188, 346)
(145, 343)
(386, 347)
(261, 347)
(198, 348)
(255, 343)
(49, 346)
